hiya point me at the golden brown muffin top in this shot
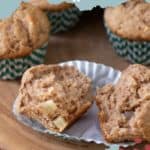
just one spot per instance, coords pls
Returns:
(45, 5)
(27, 29)
(130, 20)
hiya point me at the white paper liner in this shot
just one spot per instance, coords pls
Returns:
(87, 127)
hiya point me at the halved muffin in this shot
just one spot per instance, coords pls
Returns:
(124, 108)
(54, 95)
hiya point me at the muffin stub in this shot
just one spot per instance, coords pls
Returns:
(26, 30)
(124, 107)
(55, 96)
(64, 20)
(130, 20)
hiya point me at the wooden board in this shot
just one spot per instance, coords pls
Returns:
(87, 41)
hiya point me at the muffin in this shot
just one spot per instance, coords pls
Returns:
(55, 96)
(23, 40)
(62, 16)
(128, 28)
(124, 107)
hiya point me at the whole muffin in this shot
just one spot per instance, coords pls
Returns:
(63, 16)
(23, 40)
(55, 96)
(124, 107)
(128, 27)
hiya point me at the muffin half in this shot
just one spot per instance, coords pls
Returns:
(55, 96)
(124, 108)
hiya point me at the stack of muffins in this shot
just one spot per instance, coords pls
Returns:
(128, 28)
(23, 40)
(25, 34)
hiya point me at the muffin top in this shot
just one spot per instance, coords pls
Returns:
(25, 30)
(45, 5)
(130, 20)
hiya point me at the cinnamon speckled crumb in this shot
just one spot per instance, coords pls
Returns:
(55, 96)
(124, 107)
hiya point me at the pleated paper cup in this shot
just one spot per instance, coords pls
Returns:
(87, 128)
(64, 20)
(133, 51)
(11, 69)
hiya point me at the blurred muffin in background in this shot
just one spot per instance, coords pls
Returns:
(62, 16)
(23, 40)
(128, 28)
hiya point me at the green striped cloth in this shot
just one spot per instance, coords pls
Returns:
(134, 51)
(11, 69)
(64, 20)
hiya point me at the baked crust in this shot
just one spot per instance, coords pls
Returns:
(55, 96)
(45, 5)
(124, 107)
(26, 30)
(130, 20)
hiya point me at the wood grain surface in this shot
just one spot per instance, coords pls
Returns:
(87, 41)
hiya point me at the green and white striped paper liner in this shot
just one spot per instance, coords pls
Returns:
(134, 51)
(64, 20)
(11, 69)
